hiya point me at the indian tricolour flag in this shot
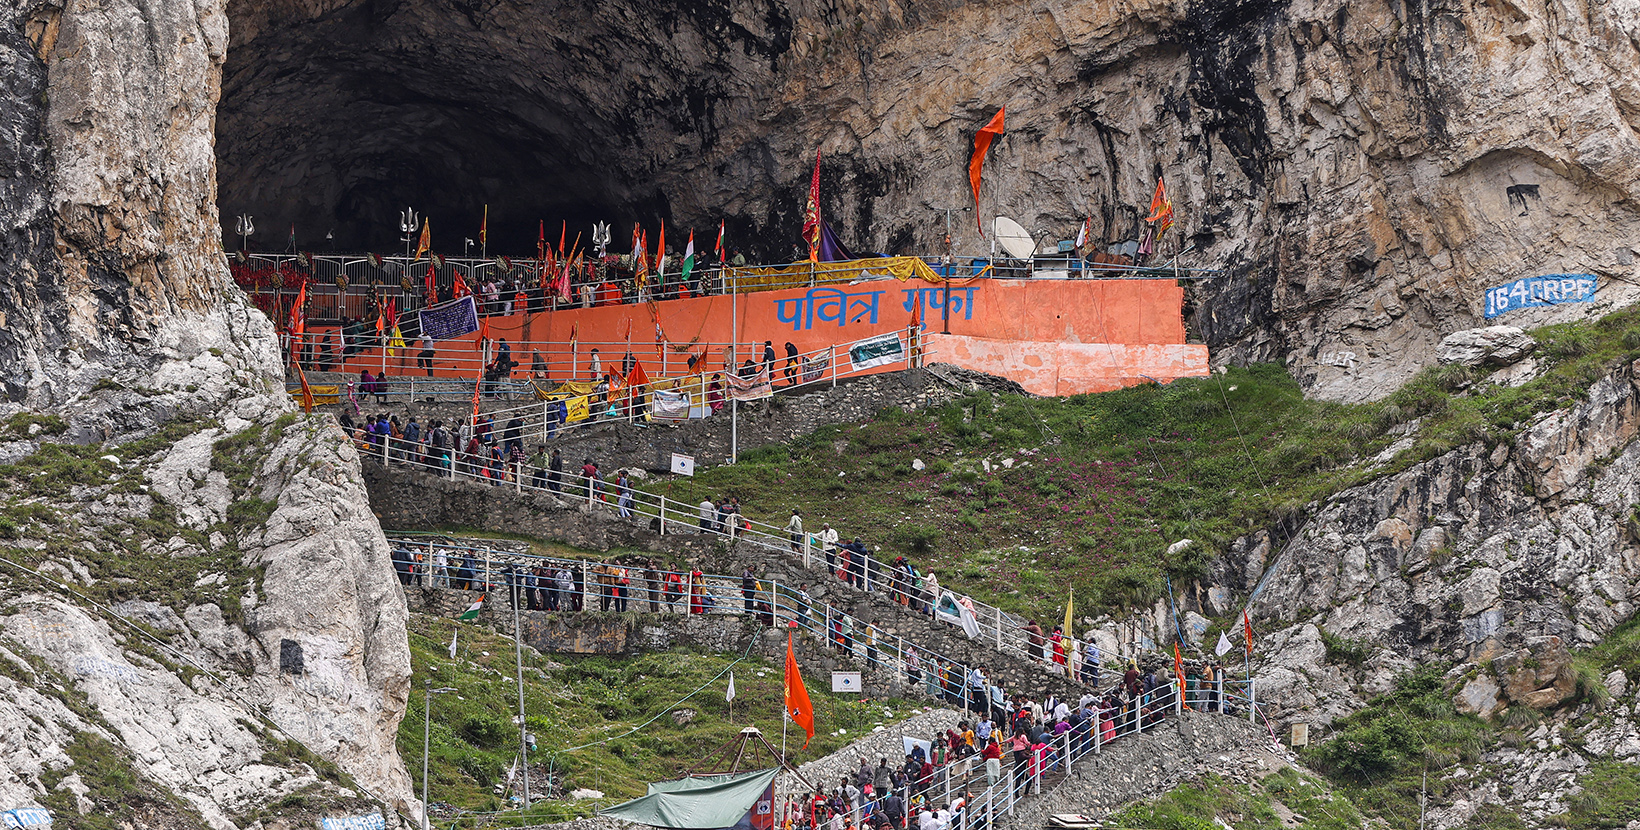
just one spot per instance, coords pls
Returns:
(472, 610)
(689, 255)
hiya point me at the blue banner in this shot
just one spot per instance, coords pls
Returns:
(374, 821)
(1535, 292)
(31, 817)
(451, 319)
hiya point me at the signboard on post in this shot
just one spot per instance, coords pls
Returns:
(683, 465)
(845, 681)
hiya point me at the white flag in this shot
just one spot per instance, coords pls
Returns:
(453, 643)
(1223, 646)
(729, 696)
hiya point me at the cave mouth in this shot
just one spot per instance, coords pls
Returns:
(329, 126)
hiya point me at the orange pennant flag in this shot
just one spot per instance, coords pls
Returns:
(1161, 209)
(1178, 670)
(1247, 628)
(797, 697)
(637, 377)
(307, 391)
(982, 142)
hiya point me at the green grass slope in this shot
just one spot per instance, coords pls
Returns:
(1100, 485)
(602, 723)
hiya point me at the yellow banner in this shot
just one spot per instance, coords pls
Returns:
(800, 274)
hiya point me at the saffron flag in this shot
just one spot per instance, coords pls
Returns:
(637, 378)
(563, 231)
(307, 391)
(1178, 670)
(426, 243)
(660, 252)
(811, 213)
(719, 248)
(432, 286)
(484, 228)
(1247, 628)
(1161, 209)
(478, 386)
(470, 614)
(689, 256)
(298, 314)
(797, 697)
(458, 288)
(1070, 604)
(982, 142)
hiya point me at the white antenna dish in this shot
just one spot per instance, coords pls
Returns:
(1014, 238)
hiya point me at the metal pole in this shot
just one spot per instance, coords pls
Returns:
(734, 430)
(426, 726)
(518, 655)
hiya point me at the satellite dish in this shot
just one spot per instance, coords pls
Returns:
(1014, 238)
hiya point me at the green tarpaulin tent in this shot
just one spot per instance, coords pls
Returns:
(706, 802)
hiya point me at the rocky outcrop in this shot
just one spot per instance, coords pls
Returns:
(1361, 171)
(190, 604)
(1503, 557)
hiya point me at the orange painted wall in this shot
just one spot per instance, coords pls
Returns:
(1043, 313)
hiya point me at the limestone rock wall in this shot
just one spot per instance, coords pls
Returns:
(1361, 171)
(117, 316)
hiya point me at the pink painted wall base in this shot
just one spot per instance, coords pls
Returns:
(1050, 368)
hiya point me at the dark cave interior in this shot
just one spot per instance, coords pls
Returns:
(333, 120)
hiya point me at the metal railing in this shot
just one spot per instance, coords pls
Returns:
(351, 285)
(1025, 766)
(542, 420)
(540, 360)
(1003, 631)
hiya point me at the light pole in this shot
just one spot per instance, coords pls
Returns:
(426, 725)
(518, 652)
(945, 295)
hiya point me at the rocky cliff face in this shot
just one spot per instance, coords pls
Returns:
(194, 587)
(1361, 172)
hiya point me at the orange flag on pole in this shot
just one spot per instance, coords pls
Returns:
(811, 213)
(1247, 628)
(1161, 209)
(425, 244)
(982, 142)
(1178, 670)
(797, 697)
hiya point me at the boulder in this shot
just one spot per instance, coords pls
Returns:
(1497, 345)
(1540, 676)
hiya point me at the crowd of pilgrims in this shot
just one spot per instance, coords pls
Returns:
(1013, 741)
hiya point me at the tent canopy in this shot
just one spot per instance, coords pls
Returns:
(701, 803)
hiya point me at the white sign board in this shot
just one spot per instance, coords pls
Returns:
(683, 465)
(845, 681)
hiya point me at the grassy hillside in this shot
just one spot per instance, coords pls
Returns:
(583, 712)
(1100, 485)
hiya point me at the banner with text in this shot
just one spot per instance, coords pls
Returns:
(451, 319)
(1536, 292)
(877, 351)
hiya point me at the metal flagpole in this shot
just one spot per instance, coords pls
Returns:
(734, 358)
(518, 653)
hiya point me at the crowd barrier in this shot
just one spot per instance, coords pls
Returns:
(570, 585)
(540, 361)
(578, 404)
